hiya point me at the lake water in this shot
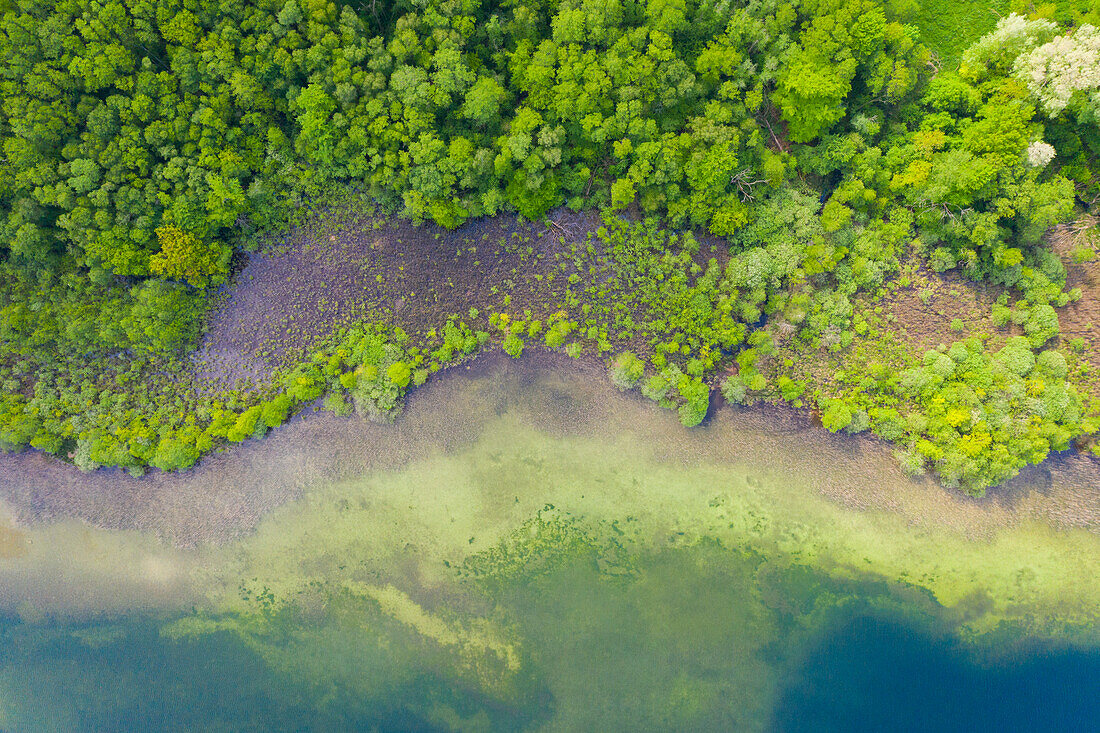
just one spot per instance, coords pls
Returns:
(527, 549)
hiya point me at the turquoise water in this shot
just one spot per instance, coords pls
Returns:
(527, 549)
(869, 669)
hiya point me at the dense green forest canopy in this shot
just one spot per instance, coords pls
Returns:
(144, 142)
(141, 138)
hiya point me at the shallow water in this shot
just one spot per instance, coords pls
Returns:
(528, 549)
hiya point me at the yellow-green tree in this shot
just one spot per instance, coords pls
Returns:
(184, 256)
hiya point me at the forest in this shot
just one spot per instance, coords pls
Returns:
(766, 177)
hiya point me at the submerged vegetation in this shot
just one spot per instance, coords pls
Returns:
(533, 548)
(770, 175)
(531, 544)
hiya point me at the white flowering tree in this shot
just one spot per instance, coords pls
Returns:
(995, 52)
(1039, 154)
(1065, 73)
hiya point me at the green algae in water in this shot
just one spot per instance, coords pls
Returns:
(705, 637)
(575, 561)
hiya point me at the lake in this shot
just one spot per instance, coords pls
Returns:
(528, 549)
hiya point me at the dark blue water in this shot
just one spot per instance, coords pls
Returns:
(877, 674)
(866, 672)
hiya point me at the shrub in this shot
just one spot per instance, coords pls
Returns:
(696, 397)
(174, 454)
(45, 441)
(860, 421)
(274, 412)
(399, 373)
(1016, 356)
(17, 428)
(247, 425)
(1041, 324)
(82, 456)
(1082, 253)
(1052, 364)
(836, 416)
(513, 346)
(337, 404)
(557, 333)
(163, 316)
(305, 384)
(888, 424)
(733, 389)
(626, 370)
(788, 388)
(755, 381)
(656, 388)
(184, 257)
(911, 463)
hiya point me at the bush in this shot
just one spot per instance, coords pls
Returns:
(1041, 324)
(163, 316)
(305, 384)
(1052, 364)
(836, 416)
(246, 426)
(755, 381)
(734, 390)
(888, 424)
(513, 346)
(1016, 356)
(911, 463)
(174, 454)
(557, 333)
(337, 404)
(626, 370)
(789, 388)
(274, 412)
(656, 388)
(860, 421)
(82, 456)
(17, 428)
(696, 397)
(399, 373)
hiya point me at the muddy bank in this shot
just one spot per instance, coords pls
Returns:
(227, 494)
(349, 267)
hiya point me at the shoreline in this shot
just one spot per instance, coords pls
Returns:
(321, 290)
(228, 493)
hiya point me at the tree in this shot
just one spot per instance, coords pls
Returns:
(836, 416)
(483, 100)
(1066, 69)
(184, 257)
(626, 370)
